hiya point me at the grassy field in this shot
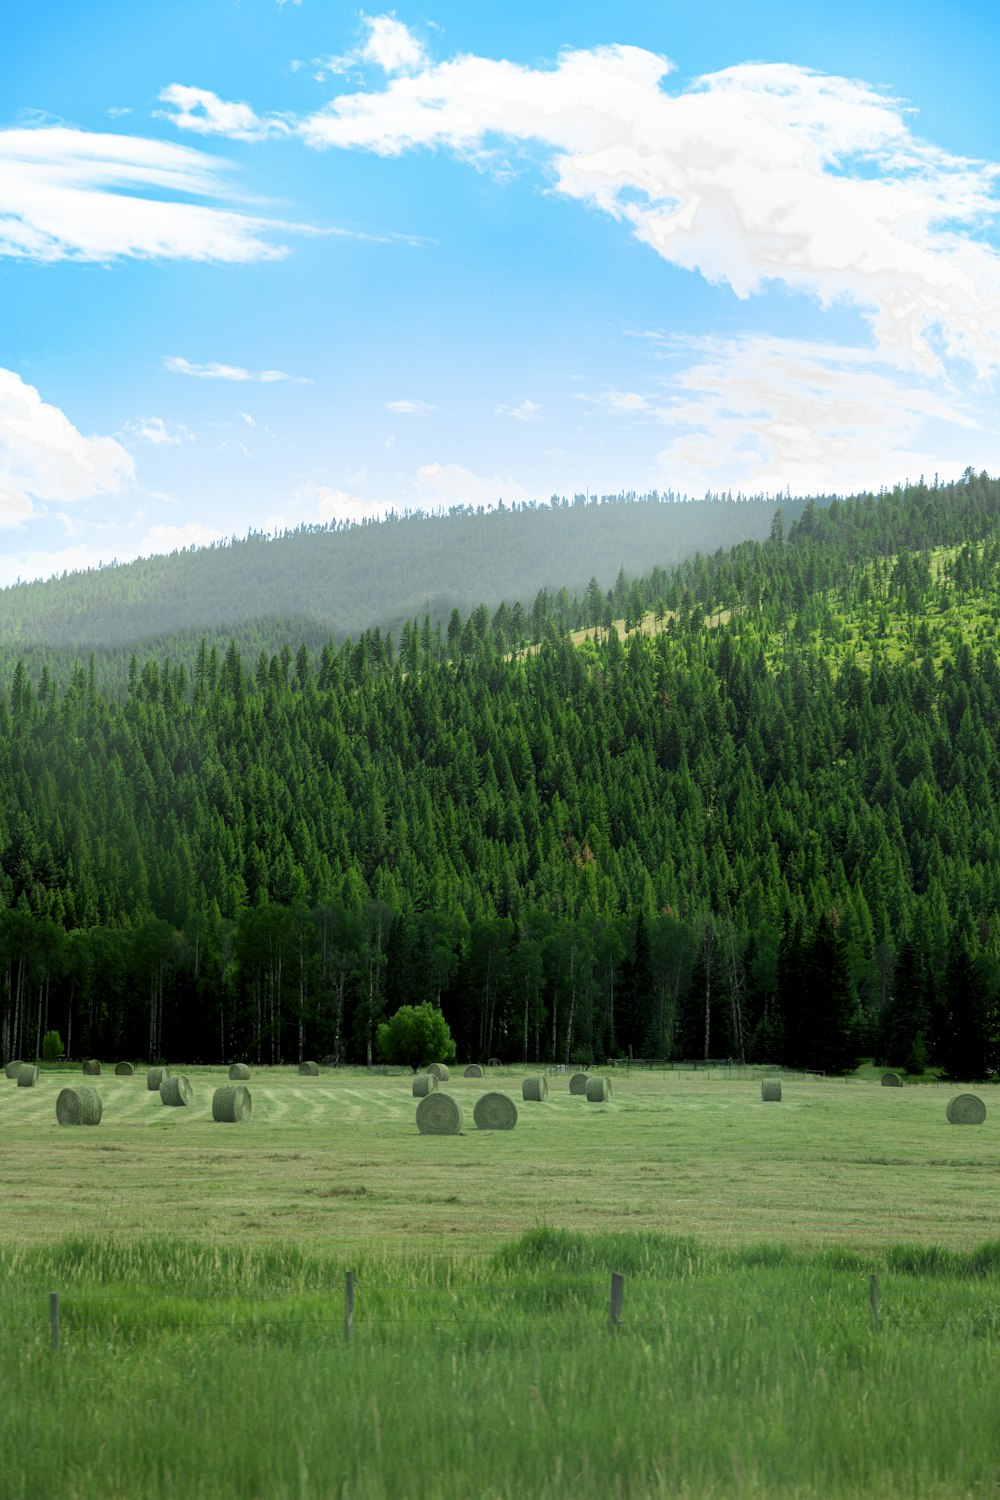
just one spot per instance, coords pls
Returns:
(337, 1160)
(200, 1269)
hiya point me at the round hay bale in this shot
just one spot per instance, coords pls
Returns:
(239, 1072)
(308, 1070)
(598, 1089)
(232, 1103)
(495, 1112)
(964, 1109)
(535, 1088)
(176, 1090)
(891, 1081)
(423, 1084)
(80, 1106)
(440, 1071)
(92, 1067)
(770, 1090)
(27, 1076)
(154, 1077)
(439, 1114)
(473, 1071)
(493, 1062)
(125, 1070)
(578, 1084)
(12, 1067)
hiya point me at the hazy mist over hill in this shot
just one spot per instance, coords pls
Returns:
(318, 583)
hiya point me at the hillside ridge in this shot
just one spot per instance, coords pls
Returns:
(770, 829)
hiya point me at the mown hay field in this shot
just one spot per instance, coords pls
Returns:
(338, 1159)
(200, 1267)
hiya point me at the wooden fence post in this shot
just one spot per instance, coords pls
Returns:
(873, 1299)
(615, 1303)
(54, 1318)
(348, 1306)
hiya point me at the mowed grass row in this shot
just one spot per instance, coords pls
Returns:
(337, 1159)
(735, 1373)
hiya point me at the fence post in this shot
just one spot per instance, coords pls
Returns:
(615, 1303)
(54, 1318)
(348, 1306)
(873, 1299)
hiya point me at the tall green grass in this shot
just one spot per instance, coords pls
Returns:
(196, 1371)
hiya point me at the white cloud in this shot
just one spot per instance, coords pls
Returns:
(388, 44)
(763, 414)
(410, 408)
(314, 502)
(391, 46)
(451, 484)
(761, 173)
(44, 458)
(161, 434)
(215, 371)
(341, 505)
(524, 411)
(206, 114)
(30, 563)
(624, 403)
(434, 486)
(175, 538)
(72, 195)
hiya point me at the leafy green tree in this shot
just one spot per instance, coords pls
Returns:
(415, 1035)
(52, 1046)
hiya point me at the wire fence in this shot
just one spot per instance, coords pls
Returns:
(593, 1303)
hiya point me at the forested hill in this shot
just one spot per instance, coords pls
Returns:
(319, 583)
(764, 824)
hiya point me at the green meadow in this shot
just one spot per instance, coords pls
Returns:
(200, 1271)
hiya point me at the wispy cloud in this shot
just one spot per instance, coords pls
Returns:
(206, 114)
(43, 457)
(162, 434)
(325, 503)
(162, 538)
(623, 403)
(342, 505)
(70, 194)
(28, 563)
(452, 484)
(215, 371)
(764, 414)
(524, 411)
(410, 408)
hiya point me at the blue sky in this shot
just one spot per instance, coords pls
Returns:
(264, 264)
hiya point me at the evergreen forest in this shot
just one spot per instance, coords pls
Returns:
(744, 806)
